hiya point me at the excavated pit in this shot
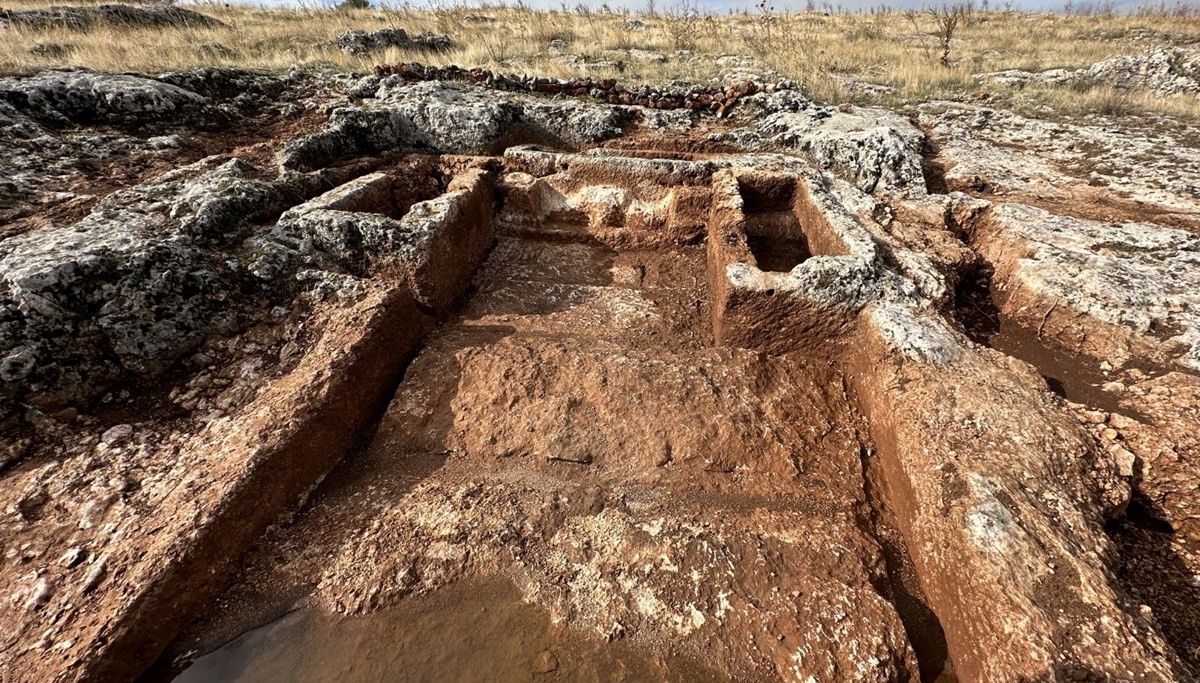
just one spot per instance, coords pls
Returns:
(658, 410)
(576, 388)
(773, 232)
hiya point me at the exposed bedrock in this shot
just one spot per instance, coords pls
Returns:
(1124, 293)
(84, 96)
(489, 463)
(1146, 171)
(449, 118)
(366, 227)
(580, 520)
(1122, 297)
(785, 274)
(128, 289)
(711, 403)
(1163, 70)
(997, 495)
(875, 149)
(366, 42)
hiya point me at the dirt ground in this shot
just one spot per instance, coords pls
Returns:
(654, 409)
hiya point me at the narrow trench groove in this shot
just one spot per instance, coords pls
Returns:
(1076, 378)
(1146, 549)
(921, 624)
(932, 167)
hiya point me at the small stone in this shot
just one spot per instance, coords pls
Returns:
(41, 593)
(94, 510)
(545, 662)
(288, 352)
(116, 434)
(165, 142)
(1124, 459)
(30, 505)
(95, 575)
(615, 632)
(1121, 422)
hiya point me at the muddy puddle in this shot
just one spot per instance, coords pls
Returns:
(472, 631)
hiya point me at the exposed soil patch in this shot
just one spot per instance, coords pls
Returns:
(668, 409)
(1076, 378)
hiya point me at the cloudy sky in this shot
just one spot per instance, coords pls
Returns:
(723, 6)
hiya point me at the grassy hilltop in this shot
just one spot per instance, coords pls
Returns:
(914, 55)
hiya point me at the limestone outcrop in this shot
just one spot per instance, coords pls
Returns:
(689, 384)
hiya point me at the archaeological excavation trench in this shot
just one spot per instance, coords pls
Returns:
(470, 386)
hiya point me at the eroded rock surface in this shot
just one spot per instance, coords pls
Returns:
(366, 42)
(1163, 70)
(1122, 292)
(679, 396)
(1126, 170)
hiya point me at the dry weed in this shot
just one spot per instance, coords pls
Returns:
(915, 54)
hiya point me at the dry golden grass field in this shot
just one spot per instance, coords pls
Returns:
(825, 54)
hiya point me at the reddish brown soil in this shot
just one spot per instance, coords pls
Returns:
(580, 382)
(574, 481)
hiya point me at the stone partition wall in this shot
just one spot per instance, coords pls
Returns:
(813, 304)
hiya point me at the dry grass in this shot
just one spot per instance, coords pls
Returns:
(898, 50)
